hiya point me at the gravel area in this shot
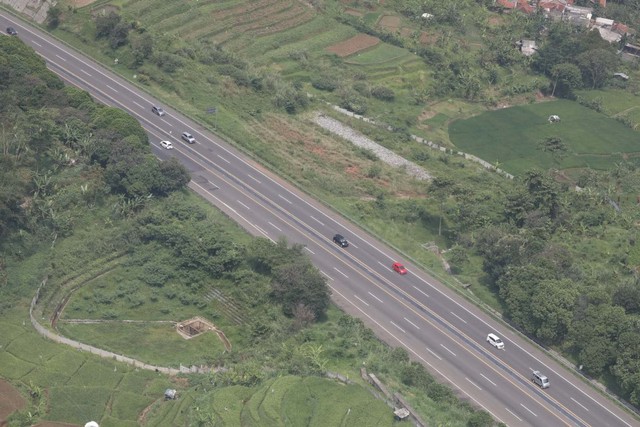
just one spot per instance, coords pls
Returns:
(356, 138)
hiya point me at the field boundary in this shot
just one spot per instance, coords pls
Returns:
(55, 337)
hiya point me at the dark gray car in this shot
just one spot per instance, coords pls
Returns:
(340, 240)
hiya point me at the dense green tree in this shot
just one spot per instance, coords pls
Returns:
(141, 47)
(593, 334)
(173, 176)
(106, 23)
(596, 65)
(113, 123)
(566, 77)
(517, 289)
(560, 46)
(627, 296)
(480, 419)
(300, 283)
(627, 366)
(53, 16)
(553, 302)
(265, 256)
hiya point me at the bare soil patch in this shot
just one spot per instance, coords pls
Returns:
(353, 45)
(390, 22)
(10, 401)
(426, 115)
(495, 21)
(353, 12)
(426, 38)
(195, 326)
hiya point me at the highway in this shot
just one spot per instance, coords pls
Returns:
(434, 324)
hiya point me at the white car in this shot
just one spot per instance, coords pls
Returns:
(186, 136)
(495, 341)
(167, 144)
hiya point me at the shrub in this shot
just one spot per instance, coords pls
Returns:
(324, 82)
(383, 93)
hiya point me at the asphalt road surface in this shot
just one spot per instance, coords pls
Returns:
(437, 326)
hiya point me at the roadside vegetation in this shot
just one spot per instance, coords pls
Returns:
(555, 250)
(122, 238)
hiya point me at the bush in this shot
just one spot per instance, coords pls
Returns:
(327, 83)
(168, 62)
(354, 103)
(383, 93)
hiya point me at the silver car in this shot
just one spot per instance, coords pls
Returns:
(187, 137)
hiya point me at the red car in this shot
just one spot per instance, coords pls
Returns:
(399, 268)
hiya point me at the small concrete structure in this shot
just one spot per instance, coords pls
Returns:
(528, 47)
(170, 394)
(91, 424)
(554, 118)
(401, 414)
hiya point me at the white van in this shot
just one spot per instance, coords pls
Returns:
(495, 341)
(540, 379)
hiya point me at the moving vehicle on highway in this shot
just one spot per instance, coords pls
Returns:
(167, 144)
(340, 240)
(540, 379)
(157, 110)
(187, 137)
(495, 341)
(399, 268)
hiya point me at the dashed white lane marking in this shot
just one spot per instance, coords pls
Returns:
(264, 233)
(247, 207)
(362, 301)
(60, 57)
(37, 44)
(326, 275)
(441, 345)
(519, 419)
(314, 218)
(139, 105)
(274, 226)
(581, 405)
(435, 355)
(312, 253)
(255, 179)
(86, 72)
(532, 413)
(488, 380)
(474, 384)
(421, 291)
(284, 198)
(112, 88)
(411, 323)
(223, 159)
(340, 272)
(399, 328)
(460, 318)
(374, 296)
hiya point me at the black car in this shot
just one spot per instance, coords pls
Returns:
(12, 31)
(340, 240)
